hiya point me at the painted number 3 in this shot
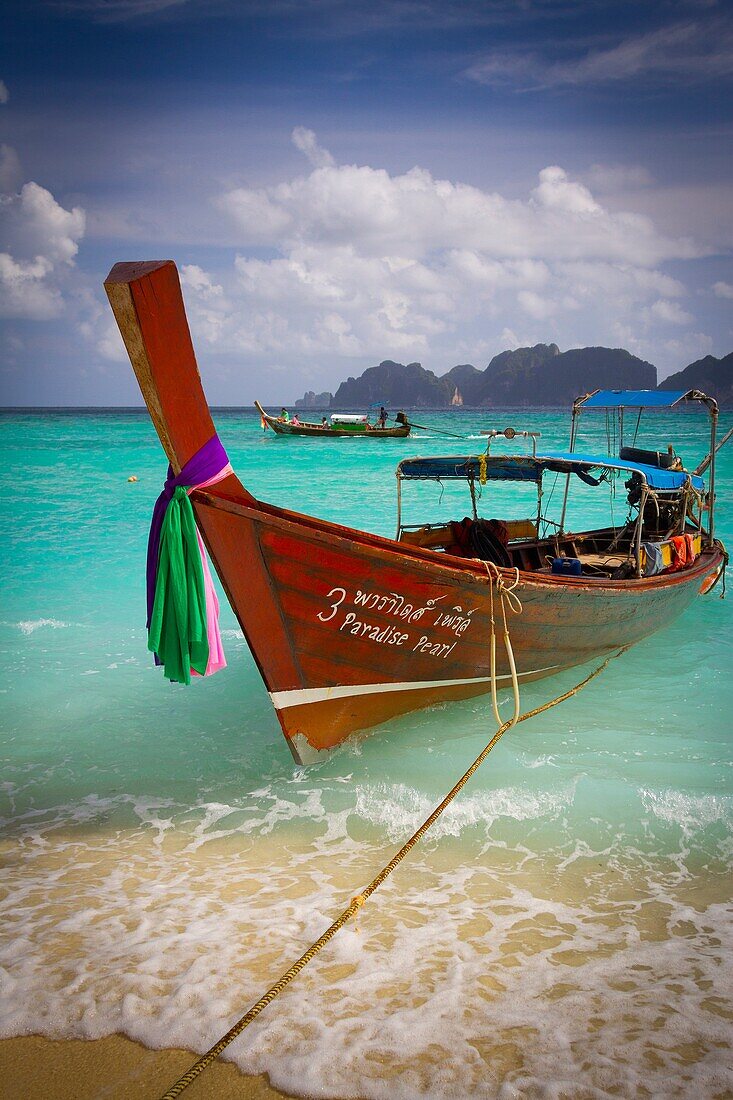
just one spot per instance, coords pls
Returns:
(340, 593)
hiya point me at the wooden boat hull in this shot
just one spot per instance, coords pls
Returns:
(315, 431)
(349, 629)
(349, 632)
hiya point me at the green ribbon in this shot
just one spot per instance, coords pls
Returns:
(177, 633)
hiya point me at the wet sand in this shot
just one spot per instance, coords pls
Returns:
(113, 1068)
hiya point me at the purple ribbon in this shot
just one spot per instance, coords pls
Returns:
(201, 467)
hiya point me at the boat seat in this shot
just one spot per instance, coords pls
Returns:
(439, 535)
(430, 537)
(665, 460)
(521, 528)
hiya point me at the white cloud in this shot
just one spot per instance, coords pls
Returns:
(24, 291)
(4, 93)
(670, 312)
(10, 170)
(619, 285)
(666, 50)
(608, 178)
(365, 265)
(101, 330)
(557, 192)
(121, 11)
(95, 323)
(305, 140)
(722, 290)
(110, 344)
(38, 276)
(687, 348)
(510, 339)
(415, 215)
(207, 302)
(41, 239)
(536, 306)
(695, 50)
(257, 216)
(196, 278)
(34, 224)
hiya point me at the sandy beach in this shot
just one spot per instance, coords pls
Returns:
(113, 1068)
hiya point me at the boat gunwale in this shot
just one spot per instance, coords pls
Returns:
(327, 530)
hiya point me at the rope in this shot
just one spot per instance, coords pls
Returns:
(721, 572)
(506, 594)
(358, 900)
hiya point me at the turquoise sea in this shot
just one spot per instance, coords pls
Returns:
(564, 931)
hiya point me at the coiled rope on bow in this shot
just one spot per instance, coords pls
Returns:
(506, 595)
(358, 900)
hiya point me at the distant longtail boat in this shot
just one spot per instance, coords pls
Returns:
(349, 629)
(340, 426)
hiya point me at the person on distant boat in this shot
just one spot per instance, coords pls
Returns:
(382, 422)
(295, 420)
(285, 415)
(324, 422)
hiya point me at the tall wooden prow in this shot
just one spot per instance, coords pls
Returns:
(148, 306)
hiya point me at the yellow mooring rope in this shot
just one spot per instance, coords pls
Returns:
(357, 901)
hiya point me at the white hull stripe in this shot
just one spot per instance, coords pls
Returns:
(302, 696)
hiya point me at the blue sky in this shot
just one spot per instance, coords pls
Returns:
(417, 181)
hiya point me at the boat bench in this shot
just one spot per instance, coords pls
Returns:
(439, 535)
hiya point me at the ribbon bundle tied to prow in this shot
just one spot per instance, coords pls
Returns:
(183, 608)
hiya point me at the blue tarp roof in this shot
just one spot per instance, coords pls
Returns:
(527, 468)
(633, 399)
(498, 468)
(656, 478)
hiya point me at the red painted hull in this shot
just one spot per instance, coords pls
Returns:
(349, 629)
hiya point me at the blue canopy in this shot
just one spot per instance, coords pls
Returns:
(656, 478)
(464, 467)
(529, 468)
(633, 399)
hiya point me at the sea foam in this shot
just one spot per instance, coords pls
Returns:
(29, 626)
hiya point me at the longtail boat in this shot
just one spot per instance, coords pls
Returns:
(339, 426)
(349, 629)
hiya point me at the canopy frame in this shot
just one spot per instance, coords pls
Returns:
(654, 483)
(606, 400)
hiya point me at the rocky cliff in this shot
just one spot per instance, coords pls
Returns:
(395, 384)
(713, 376)
(540, 375)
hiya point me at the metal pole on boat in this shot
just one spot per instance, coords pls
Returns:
(399, 503)
(472, 487)
(713, 431)
(573, 426)
(639, 524)
(708, 458)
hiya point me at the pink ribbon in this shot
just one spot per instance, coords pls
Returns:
(217, 660)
